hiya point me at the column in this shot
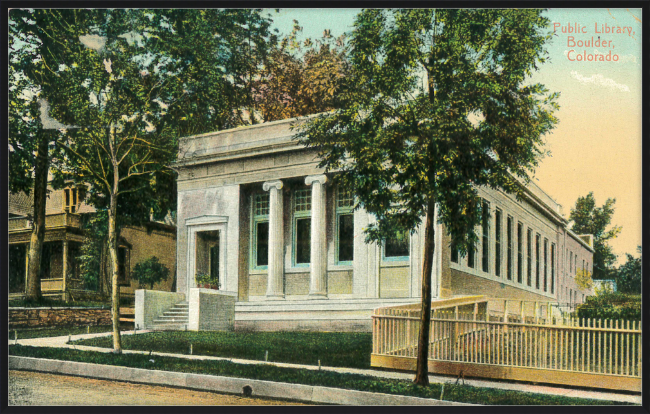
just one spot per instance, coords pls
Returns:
(275, 276)
(318, 245)
(65, 268)
(27, 246)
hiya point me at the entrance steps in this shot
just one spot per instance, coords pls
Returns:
(175, 319)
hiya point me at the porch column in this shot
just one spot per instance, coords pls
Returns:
(65, 268)
(318, 252)
(27, 246)
(275, 275)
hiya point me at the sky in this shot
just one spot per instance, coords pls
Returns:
(596, 146)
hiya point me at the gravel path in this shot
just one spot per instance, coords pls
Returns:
(36, 388)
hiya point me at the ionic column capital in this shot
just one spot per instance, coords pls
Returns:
(321, 178)
(272, 184)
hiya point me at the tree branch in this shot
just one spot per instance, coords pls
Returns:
(86, 162)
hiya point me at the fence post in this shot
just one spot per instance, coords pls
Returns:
(505, 310)
(455, 334)
(536, 312)
(522, 305)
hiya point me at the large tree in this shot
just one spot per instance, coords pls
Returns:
(300, 78)
(589, 219)
(439, 103)
(131, 82)
(30, 140)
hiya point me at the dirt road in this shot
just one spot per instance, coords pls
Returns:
(35, 388)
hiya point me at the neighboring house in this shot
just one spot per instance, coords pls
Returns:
(255, 211)
(63, 238)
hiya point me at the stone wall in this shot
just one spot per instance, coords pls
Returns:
(211, 310)
(20, 318)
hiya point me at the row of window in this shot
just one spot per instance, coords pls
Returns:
(394, 249)
(573, 263)
(539, 270)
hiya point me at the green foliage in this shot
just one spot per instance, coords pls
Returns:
(150, 271)
(204, 279)
(95, 227)
(56, 331)
(629, 275)
(611, 305)
(583, 279)
(459, 393)
(437, 105)
(301, 79)
(589, 219)
(337, 349)
(24, 122)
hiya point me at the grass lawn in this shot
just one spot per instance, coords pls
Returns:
(334, 349)
(459, 393)
(56, 331)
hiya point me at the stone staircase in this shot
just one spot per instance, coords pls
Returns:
(175, 319)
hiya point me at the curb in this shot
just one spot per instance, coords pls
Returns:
(228, 385)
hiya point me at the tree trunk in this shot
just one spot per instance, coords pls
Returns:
(422, 370)
(41, 167)
(115, 288)
(112, 250)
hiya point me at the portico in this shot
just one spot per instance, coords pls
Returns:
(296, 251)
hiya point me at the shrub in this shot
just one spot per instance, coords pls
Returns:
(150, 272)
(611, 305)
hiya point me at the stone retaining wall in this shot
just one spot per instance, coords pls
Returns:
(20, 318)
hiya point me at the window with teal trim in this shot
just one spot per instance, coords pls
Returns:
(260, 231)
(397, 248)
(344, 226)
(301, 227)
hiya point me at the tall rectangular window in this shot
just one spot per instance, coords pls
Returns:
(260, 231)
(529, 253)
(497, 243)
(397, 247)
(344, 226)
(537, 248)
(70, 204)
(471, 256)
(571, 262)
(509, 256)
(454, 252)
(485, 217)
(302, 227)
(520, 253)
(545, 265)
(553, 268)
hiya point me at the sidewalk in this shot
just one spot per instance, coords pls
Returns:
(60, 342)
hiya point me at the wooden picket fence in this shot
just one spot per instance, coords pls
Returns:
(476, 338)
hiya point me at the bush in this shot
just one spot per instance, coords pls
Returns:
(611, 305)
(150, 272)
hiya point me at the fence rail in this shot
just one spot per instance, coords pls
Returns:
(475, 334)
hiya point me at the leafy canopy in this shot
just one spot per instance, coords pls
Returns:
(150, 272)
(301, 79)
(589, 219)
(140, 78)
(629, 275)
(438, 103)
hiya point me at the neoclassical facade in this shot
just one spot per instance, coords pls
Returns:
(257, 214)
